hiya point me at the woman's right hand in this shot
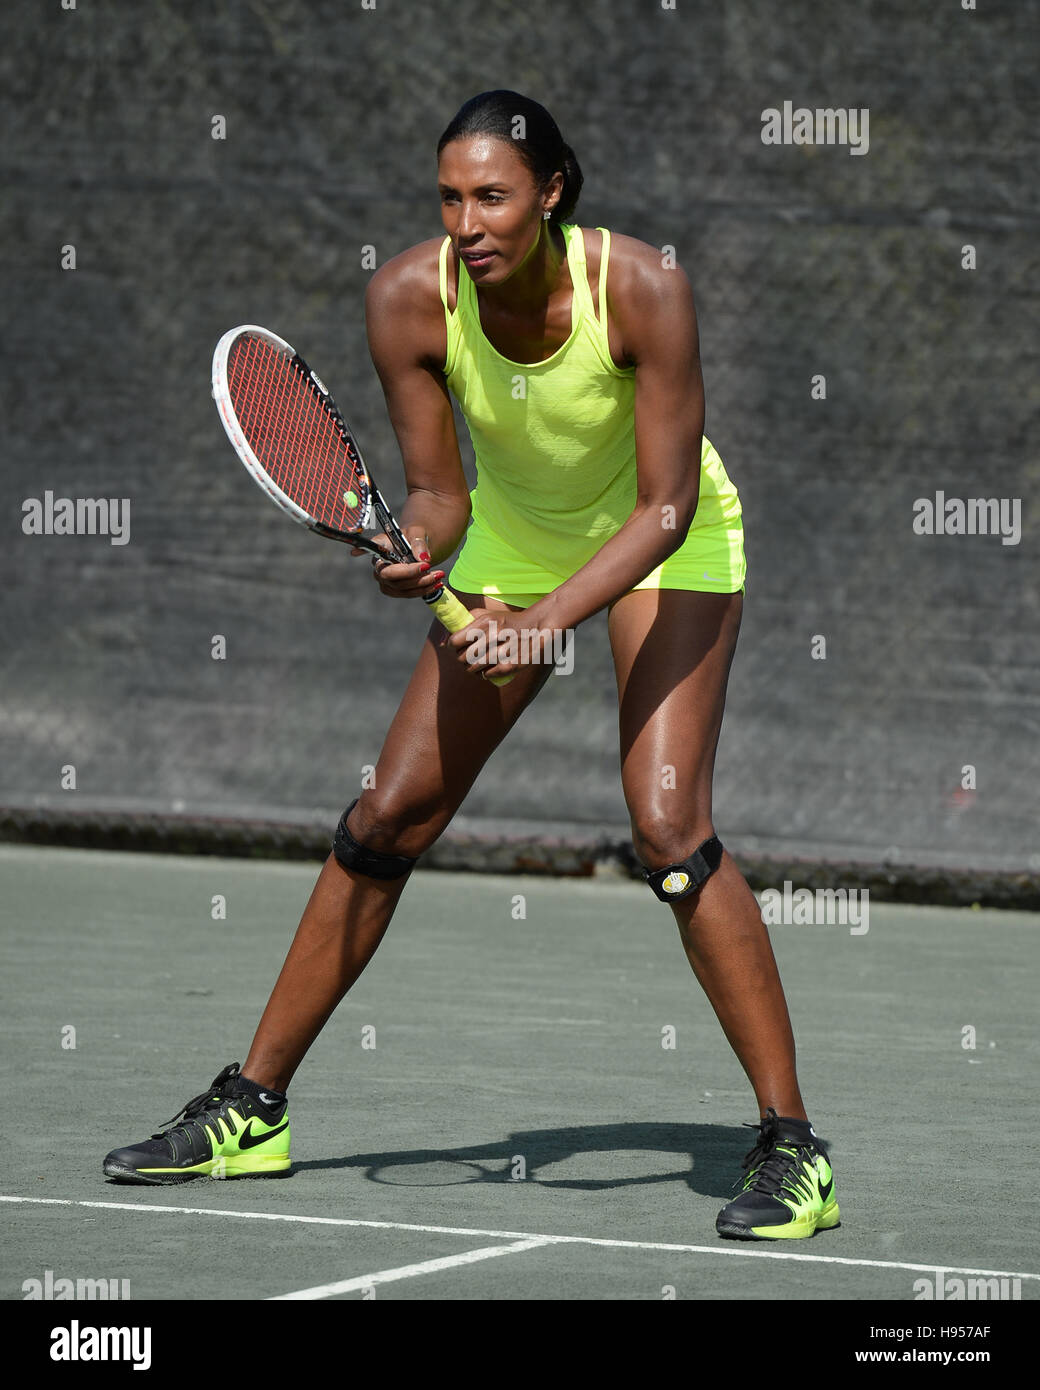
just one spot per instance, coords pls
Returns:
(398, 580)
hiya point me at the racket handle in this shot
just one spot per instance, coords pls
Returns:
(456, 617)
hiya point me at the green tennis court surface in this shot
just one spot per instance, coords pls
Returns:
(517, 1130)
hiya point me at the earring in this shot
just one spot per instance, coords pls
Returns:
(546, 215)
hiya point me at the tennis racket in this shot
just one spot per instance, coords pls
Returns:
(287, 430)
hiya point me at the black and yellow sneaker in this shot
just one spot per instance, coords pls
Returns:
(235, 1129)
(788, 1185)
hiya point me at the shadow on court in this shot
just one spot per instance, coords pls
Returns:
(706, 1158)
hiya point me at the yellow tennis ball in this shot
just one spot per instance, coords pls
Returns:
(351, 499)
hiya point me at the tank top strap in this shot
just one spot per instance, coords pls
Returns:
(603, 258)
(578, 266)
(451, 321)
(445, 244)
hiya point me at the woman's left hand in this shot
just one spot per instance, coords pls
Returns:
(499, 642)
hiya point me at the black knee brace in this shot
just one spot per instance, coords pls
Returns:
(372, 862)
(680, 880)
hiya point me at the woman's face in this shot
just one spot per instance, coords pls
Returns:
(490, 205)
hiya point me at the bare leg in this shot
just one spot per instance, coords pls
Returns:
(342, 925)
(672, 652)
(448, 724)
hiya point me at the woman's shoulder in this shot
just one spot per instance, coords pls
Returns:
(634, 266)
(411, 277)
(403, 302)
(642, 281)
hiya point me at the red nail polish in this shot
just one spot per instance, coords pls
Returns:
(424, 555)
(424, 568)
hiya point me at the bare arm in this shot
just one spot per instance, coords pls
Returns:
(407, 340)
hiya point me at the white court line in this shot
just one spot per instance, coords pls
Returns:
(387, 1276)
(738, 1250)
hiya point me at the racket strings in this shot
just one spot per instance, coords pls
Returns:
(307, 453)
(294, 435)
(270, 405)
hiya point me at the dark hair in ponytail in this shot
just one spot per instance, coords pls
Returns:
(505, 115)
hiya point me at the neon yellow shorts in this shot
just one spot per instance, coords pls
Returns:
(710, 560)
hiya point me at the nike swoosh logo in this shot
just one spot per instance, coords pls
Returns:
(249, 1140)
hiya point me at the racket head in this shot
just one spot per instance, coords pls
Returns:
(289, 434)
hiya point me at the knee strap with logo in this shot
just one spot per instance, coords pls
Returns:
(676, 881)
(372, 862)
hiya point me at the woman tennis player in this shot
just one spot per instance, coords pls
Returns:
(574, 357)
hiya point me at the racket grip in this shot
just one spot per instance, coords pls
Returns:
(455, 616)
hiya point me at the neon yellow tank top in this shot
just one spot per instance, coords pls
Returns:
(554, 440)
